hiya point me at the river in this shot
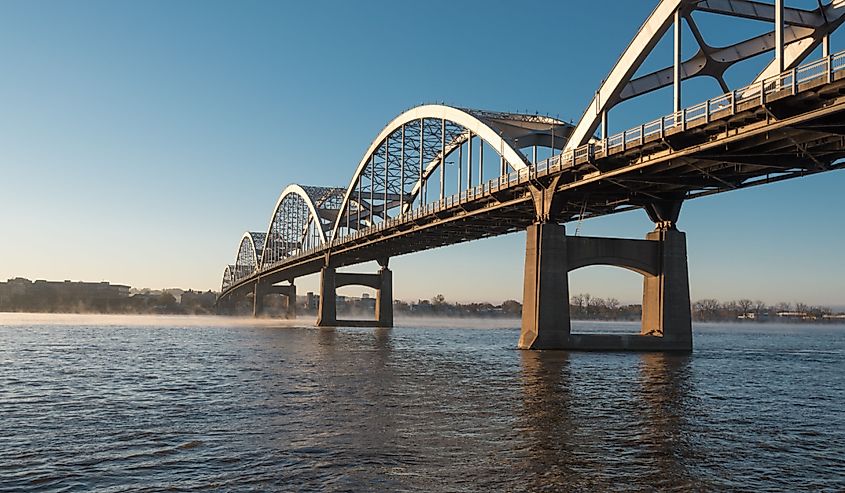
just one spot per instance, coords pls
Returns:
(110, 403)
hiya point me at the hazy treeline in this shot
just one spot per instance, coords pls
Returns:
(158, 303)
(711, 310)
(582, 306)
(437, 306)
(585, 306)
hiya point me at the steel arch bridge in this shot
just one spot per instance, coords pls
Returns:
(437, 175)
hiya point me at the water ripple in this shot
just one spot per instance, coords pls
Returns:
(192, 407)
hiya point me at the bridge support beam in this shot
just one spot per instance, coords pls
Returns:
(327, 309)
(330, 280)
(289, 292)
(661, 258)
(384, 298)
(258, 300)
(545, 291)
(666, 298)
(262, 289)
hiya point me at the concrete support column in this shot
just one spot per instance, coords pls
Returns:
(384, 298)
(545, 310)
(666, 299)
(258, 300)
(290, 309)
(327, 311)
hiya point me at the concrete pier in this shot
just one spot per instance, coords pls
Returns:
(330, 280)
(545, 294)
(661, 259)
(666, 298)
(262, 289)
(258, 300)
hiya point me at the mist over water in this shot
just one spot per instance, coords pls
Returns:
(113, 403)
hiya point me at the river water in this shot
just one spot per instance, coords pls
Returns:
(184, 404)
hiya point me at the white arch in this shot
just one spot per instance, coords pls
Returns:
(308, 195)
(804, 30)
(253, 238)
(295, 189)
(481, 124)
(228, 277)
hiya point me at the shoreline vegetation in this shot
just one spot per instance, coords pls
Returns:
(23, 296)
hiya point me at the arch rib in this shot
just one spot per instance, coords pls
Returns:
(804, 30)
(228, 277)
(322, 206)
(501, 131)
(248, 257)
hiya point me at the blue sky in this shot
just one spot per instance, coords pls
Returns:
(139, 140)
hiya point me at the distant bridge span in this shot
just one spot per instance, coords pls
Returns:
(438, 175)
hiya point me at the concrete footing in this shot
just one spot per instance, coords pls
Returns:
(330, 280)
(661, 259)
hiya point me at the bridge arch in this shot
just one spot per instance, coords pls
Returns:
(248, 256)
(633, 265)
(802, 32)
(642, 257)
(404, 156)
(228, 277)
(302, 218)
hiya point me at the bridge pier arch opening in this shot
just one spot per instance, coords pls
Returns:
(661, 259)
(381, 282)
(263, 289)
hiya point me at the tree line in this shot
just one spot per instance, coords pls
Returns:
(711, 310)
(588, 307)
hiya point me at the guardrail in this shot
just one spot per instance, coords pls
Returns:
(788, 82)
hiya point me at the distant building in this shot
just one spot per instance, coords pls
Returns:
(23, 294)
(799, 315)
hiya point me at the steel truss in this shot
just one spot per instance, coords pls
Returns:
(798, 33)
(248, 257)
(301, 220)
(406, 165)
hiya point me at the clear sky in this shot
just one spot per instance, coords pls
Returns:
(139, 140)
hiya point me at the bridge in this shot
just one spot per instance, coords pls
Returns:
(437, 175)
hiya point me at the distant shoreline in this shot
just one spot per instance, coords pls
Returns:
(422, 317)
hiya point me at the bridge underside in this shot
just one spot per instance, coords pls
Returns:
(785, 133)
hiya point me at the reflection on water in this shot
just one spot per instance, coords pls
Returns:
(664, 389)
(547, 420)
(194, 406)
(567, 451)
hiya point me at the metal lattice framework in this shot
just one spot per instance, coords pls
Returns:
(793, 39)
(302, 219)
(407, 157)
(228, 277)
(248, 257)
